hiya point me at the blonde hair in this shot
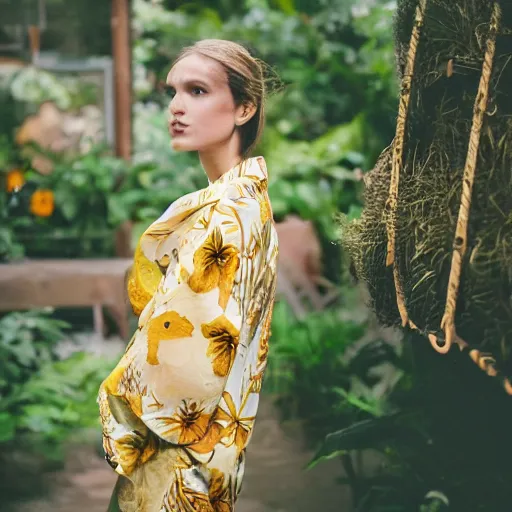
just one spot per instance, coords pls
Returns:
(247, 79)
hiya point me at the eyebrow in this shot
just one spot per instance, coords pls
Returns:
(188, 83)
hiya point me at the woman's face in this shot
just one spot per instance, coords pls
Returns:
(202, 112)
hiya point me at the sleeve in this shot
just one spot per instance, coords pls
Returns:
(171, 380)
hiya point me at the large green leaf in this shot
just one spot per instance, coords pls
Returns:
(368, 434)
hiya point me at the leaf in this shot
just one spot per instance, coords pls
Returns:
(351, 398)
(66, 201)
(368, 434)
(287, 6)
(7, 427)
(118, 210)
(370, 356)
(24, 351)
(340, 140)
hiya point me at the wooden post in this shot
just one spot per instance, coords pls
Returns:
(121, 50)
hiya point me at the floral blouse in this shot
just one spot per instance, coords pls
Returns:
(179, 408)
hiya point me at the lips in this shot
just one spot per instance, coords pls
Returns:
(177, 128)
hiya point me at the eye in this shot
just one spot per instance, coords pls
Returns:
(170, 91)
(197, 91)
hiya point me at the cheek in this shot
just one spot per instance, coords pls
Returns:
(212, 122)
(215, 119)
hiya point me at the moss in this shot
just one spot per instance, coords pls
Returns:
(440, 115)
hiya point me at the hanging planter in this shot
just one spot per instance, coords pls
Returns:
(434, 242)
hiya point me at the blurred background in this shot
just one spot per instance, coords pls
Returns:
(86, 166)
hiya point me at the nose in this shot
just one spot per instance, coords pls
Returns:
(176, 107)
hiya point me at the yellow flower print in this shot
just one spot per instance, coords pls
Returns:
(111, 383)
(265, 335)
(219, 492)
(134, 449)
(186, 499)
(150, 449)
(265, 212)
(143, 281)
(189, 423)
(129, 451)
(208, 442)
(223, 337)
(145, 276)
(238, 427)
(215, 265)
(168, 326)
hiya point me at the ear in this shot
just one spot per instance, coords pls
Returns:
(244, 113)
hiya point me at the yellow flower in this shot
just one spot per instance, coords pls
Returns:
(215, 265)
(189, 424)
(183, 498)
(263, 348)
(123, 382)
(143, 281)
(15, 180)
(238, 427)
(223, 337)
(132, 450)
(150, 448)
(210, 439)
(219, 492)
(42, 203)
(265, 211)
(111, 383)
(129, 453)
(168, 326)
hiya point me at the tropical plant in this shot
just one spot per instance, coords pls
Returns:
(43, 399)
(321, 367)
(440, 435)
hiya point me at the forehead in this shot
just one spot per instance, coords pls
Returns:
(197, 67)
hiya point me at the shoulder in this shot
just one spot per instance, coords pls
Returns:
(248, 200)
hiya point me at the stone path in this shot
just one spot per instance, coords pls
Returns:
(275, 479)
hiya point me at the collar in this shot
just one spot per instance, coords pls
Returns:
(254, 168)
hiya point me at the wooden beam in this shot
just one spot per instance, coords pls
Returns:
(121, 50)
(122, 54)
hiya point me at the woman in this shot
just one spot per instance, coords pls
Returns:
(179, 408)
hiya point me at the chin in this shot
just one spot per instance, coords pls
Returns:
(181, 146)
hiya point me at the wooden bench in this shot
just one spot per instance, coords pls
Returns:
(95, 283)
(99, 283)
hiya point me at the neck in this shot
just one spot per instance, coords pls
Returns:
(219, 160)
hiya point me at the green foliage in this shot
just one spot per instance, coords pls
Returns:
(78, 184)
(317, 135)
(335, 57)
(60, 398)
(315, 179)
(31, 87)
(442, 434)
(43, 399)
(313, 367)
